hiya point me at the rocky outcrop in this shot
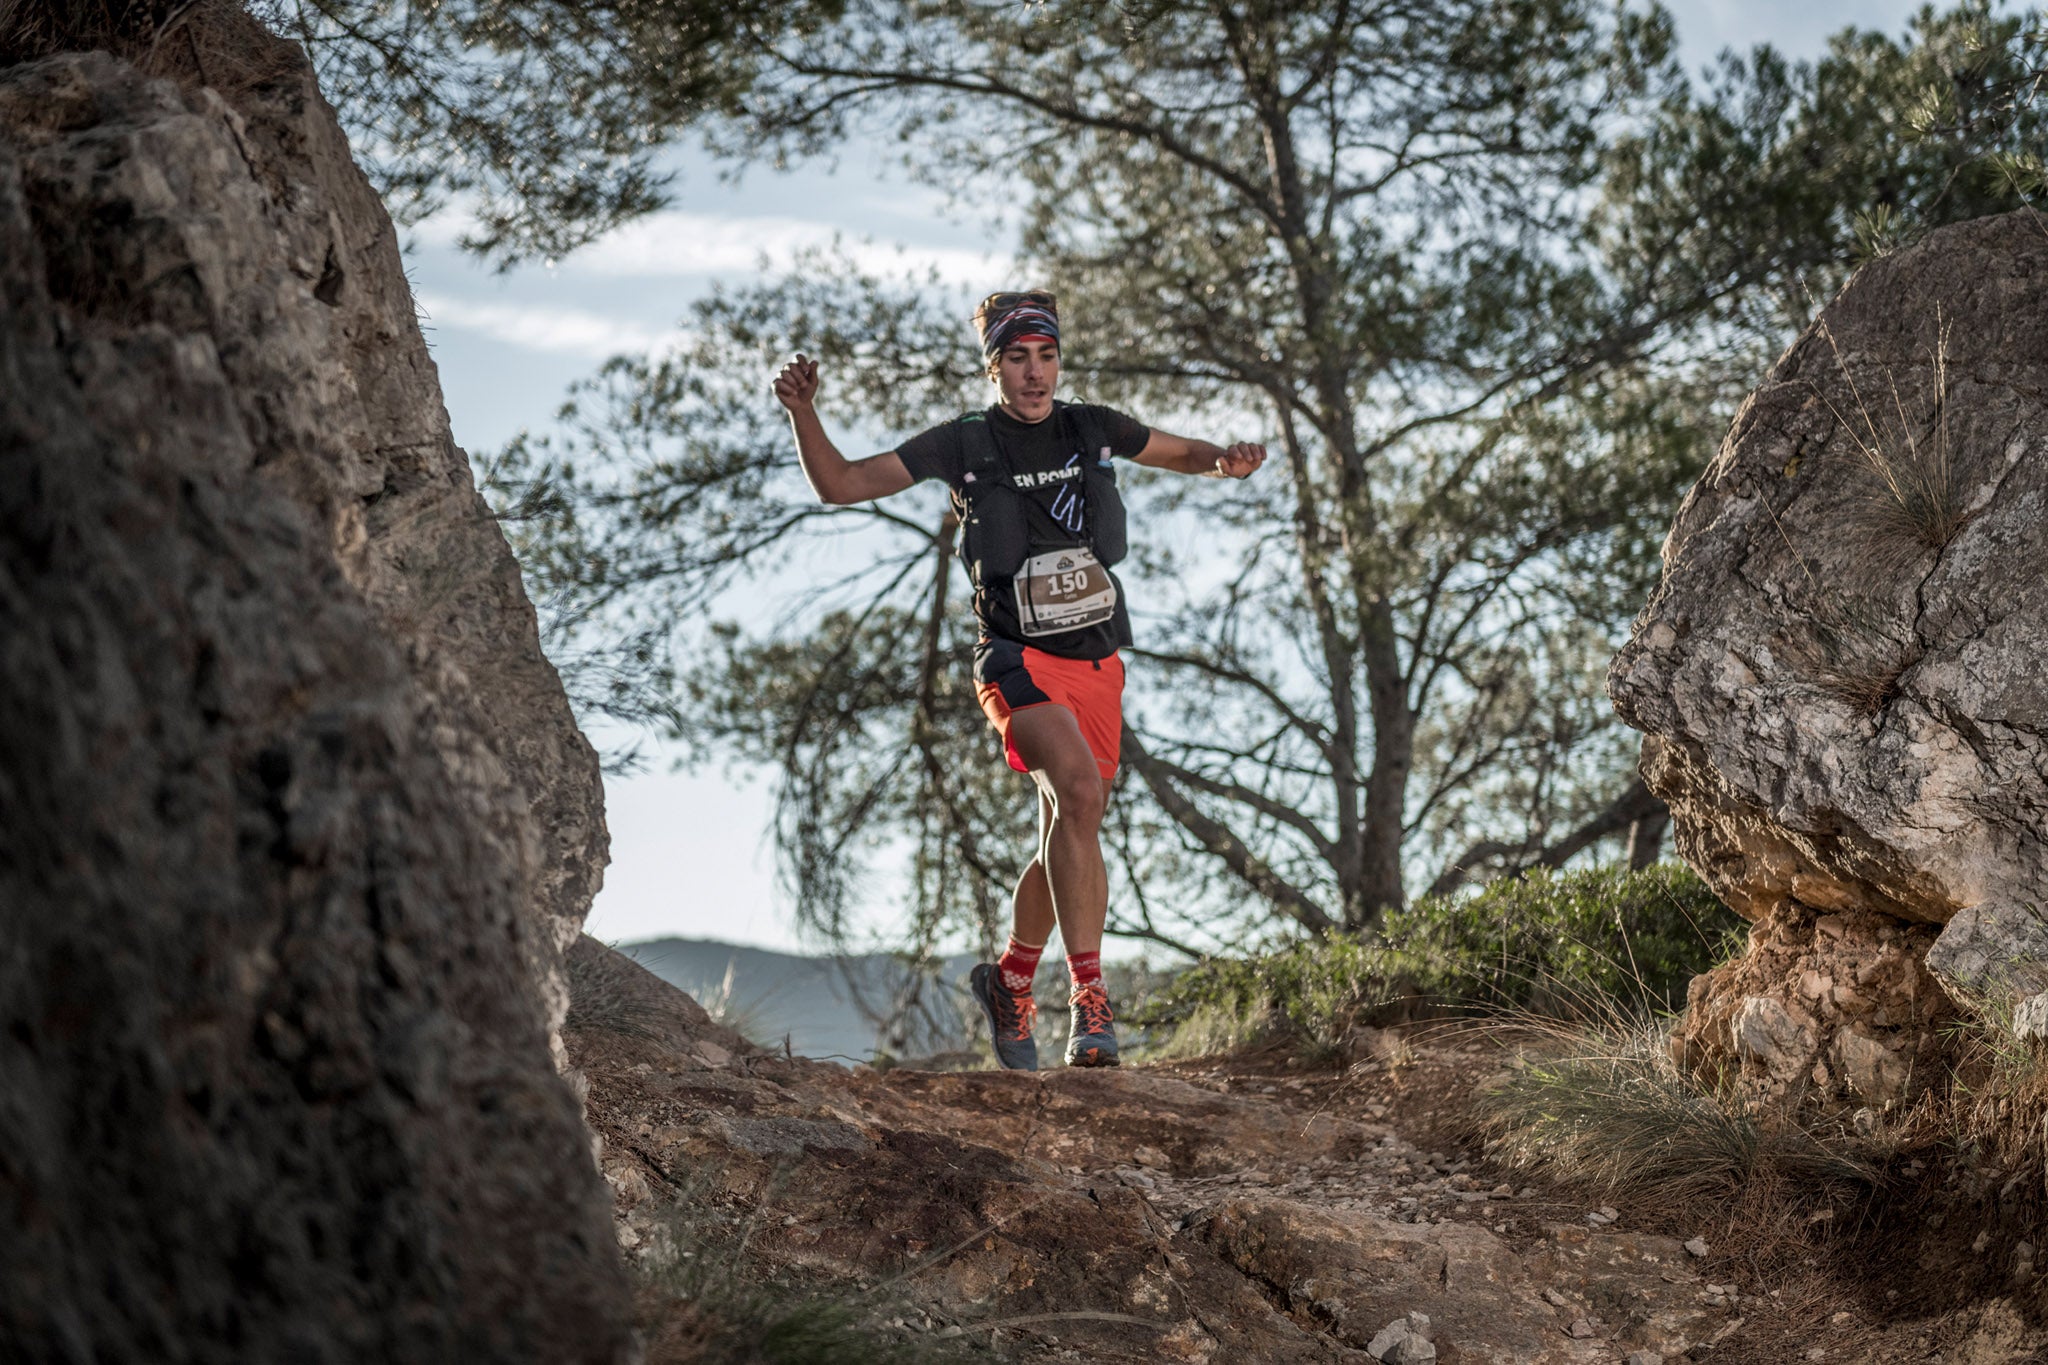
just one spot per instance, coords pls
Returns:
(1834, 1007)
(296, 821)
(249, 225)
(1839, 674)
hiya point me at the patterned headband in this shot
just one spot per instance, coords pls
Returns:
(1032, 315)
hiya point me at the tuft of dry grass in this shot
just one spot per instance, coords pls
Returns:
(1995, 1103)
(700, 1299)
(1847, 652)
(1605, 1107)
(600, 1001)
(1912, 501)
(216, 43)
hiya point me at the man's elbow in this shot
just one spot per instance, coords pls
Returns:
(833, 492)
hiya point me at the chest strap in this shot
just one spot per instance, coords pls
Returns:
(995, 533)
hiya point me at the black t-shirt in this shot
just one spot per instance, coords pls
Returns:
(1045, 462)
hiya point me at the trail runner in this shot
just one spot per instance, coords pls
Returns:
(1041, 526)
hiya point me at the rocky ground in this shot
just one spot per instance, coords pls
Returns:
(1233, 1209)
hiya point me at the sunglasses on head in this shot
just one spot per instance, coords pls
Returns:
(1007, 299)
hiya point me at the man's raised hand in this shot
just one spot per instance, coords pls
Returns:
(1240, 460)
(797, 385)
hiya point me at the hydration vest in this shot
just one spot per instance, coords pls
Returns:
(995, 534)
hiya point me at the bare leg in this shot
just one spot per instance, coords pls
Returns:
(1031, 913)
(1072, 788)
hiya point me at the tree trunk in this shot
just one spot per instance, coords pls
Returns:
(1379, 886)
(1646, 839)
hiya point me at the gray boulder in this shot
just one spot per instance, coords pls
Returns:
(1839, 676)
(296, 821)
(1404, 1341)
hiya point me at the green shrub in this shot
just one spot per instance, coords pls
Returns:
(1552, 942)
(1558, 944)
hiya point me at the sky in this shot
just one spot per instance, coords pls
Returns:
(690, 855)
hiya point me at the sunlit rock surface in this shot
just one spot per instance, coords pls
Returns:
(1840, 674)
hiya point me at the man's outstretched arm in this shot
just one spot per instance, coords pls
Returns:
(833, 477)
(1185, 455)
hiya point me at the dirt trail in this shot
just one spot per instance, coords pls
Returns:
(1188, 1212)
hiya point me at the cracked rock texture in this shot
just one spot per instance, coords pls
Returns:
(297, 822)
(1839, 676)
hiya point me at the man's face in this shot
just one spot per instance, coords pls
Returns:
(1026, 375)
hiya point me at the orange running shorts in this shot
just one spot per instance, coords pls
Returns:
(1009, 677)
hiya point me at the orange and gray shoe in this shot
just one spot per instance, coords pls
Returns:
(1010, 1018)
(1092, 1039)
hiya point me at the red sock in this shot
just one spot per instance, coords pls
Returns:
(1018, 964)
(1085, 968)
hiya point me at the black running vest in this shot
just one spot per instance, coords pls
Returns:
(995, 536)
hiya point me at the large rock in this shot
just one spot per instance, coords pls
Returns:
(296, 821)
(250, 226)
(1839, 675)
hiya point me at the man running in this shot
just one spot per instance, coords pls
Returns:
(1041, 524)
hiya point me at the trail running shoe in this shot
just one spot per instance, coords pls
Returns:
(1009, 1018)
(1092, 1039)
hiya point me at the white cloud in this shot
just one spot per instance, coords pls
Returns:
(565, 331)
(676, 242)
(442, 229)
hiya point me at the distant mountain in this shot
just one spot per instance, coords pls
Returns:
(826, 1006)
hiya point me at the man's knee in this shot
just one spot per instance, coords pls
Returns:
(1078, 798)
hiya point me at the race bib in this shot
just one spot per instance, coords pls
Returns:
(1063, 590)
